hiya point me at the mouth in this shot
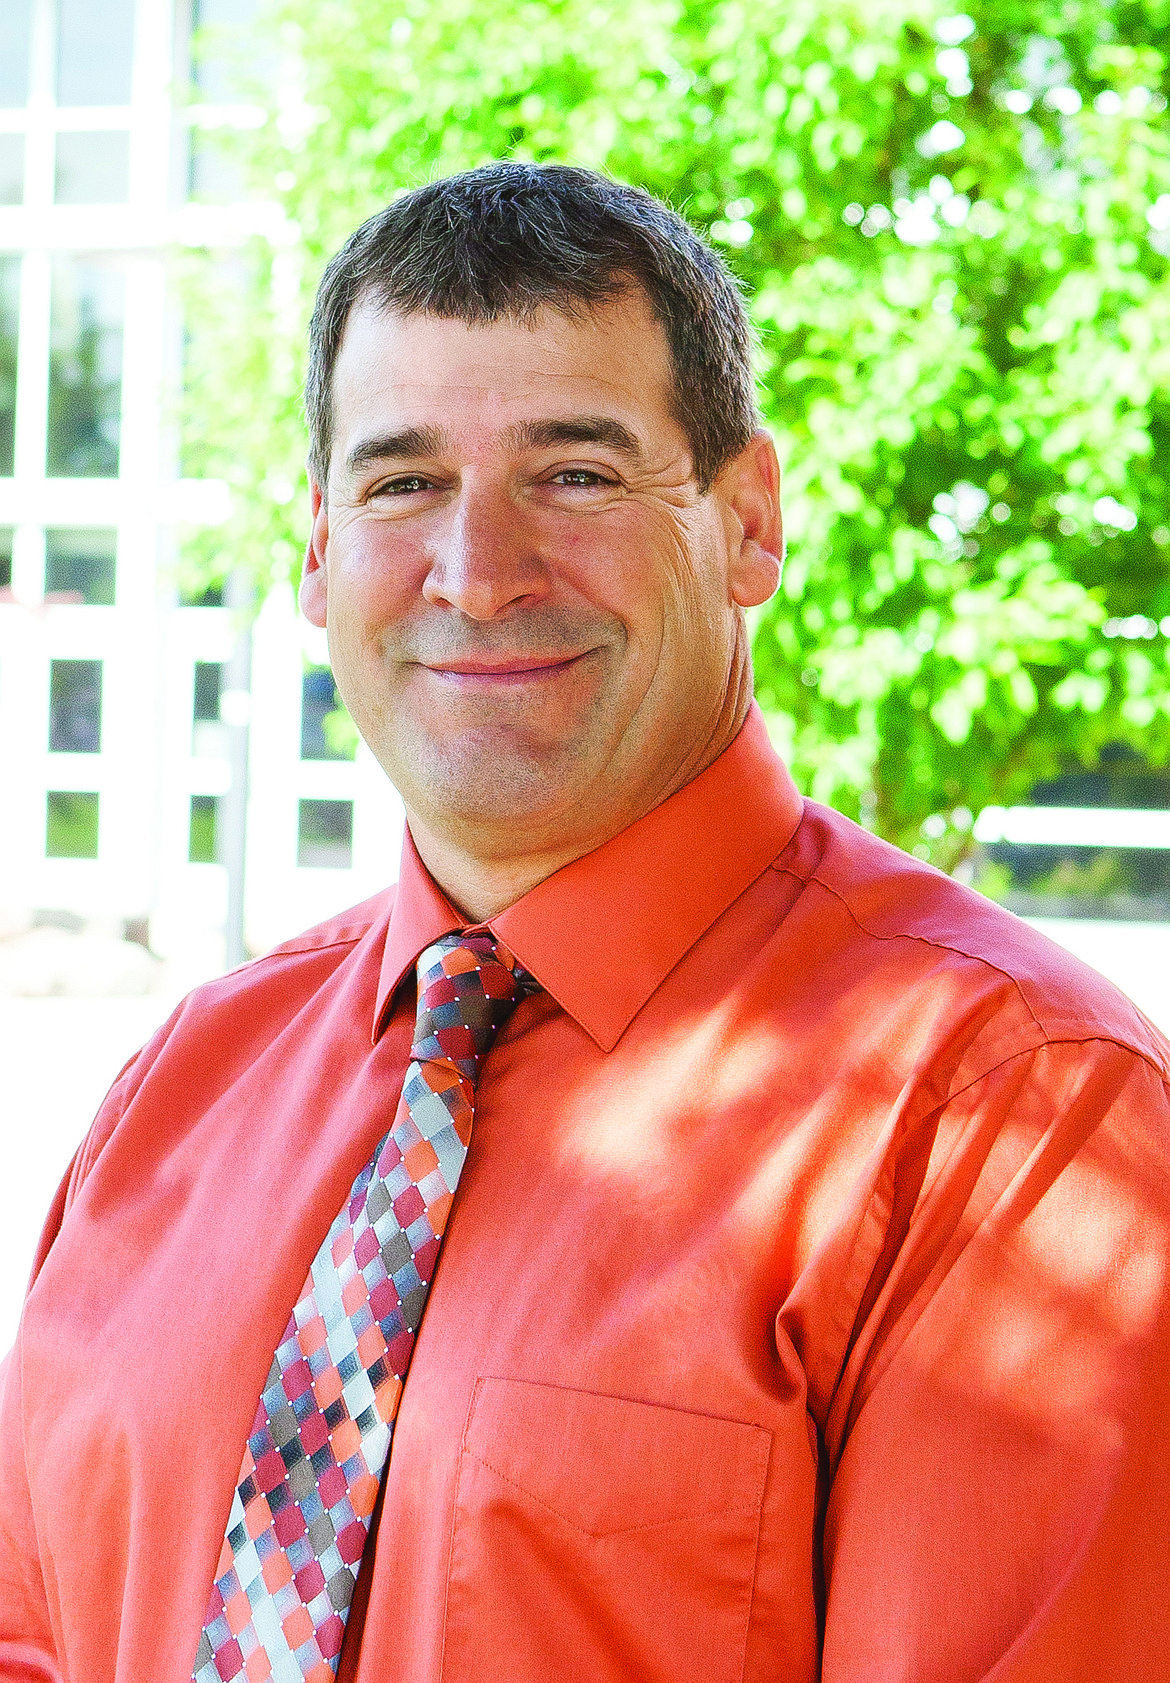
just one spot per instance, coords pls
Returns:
(513, 671)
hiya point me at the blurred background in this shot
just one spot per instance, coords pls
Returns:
(955, 227)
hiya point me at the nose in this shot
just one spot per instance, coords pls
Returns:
(484, 560)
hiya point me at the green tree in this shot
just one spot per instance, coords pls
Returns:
(955, 230)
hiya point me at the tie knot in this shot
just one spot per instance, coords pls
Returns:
(468, 986)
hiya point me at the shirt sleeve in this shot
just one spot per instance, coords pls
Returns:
(28, 1648)
(999, 1505)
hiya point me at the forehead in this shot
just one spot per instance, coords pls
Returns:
(409, 370)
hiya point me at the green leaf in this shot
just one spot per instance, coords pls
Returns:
(997, 318)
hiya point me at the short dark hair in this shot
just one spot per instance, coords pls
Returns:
(502, 240)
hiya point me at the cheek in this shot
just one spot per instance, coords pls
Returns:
(370, 589)
(691, 602)
(634, 566)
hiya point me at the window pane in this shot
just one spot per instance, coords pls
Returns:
(327, 732)
(209, 735)
(325, 834)
(93, 169)
(9, 320)
(75, 707)
(11, 169)
(201, 849)
(85, 369)
(220, 34)
(208, 682)
(81, 564)
(94, 46)
(5, 557)
(214, 175)
(14, 31)
(227, 58)
(71, 825)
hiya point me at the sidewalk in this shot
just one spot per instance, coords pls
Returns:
(60, 1055)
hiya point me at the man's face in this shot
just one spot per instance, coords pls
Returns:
(533, 613)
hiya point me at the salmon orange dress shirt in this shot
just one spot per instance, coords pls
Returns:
(803, 1312)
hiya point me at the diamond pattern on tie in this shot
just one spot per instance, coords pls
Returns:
(320, 1440)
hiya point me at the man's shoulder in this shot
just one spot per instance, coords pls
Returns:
(313, 954)
(343, 929)
(257, 997)
(888, 897)
(327, 975)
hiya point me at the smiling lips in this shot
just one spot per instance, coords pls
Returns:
(520, 669)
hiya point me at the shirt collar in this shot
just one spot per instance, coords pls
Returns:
(602, 933)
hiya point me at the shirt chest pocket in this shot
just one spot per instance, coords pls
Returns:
(600, 1539)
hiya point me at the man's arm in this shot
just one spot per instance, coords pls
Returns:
(1000, 1507)
(27, 1649)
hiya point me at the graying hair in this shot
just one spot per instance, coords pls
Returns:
(501, 241)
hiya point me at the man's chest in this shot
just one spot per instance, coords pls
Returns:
(604, 1459)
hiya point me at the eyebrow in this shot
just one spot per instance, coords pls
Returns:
(412, 442)
(577, 429)
(406, 445)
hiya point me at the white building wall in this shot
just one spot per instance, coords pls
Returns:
(150, 762)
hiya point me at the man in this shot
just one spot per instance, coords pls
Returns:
(802, 1309)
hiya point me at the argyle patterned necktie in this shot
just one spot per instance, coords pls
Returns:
(319, 1443)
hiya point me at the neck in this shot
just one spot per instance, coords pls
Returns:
(482, 876)
(479, 888)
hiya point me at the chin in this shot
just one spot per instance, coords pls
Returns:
(483, 784)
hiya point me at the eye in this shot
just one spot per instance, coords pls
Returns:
(586, 477)
(404, 485)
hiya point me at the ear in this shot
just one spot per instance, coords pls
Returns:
(314, 592)
(749, 486)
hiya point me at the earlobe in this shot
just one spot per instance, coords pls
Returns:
(753, 491)
(313, 594)
(756, 575)
(314, 590)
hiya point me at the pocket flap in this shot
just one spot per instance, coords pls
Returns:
(606, 1464)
